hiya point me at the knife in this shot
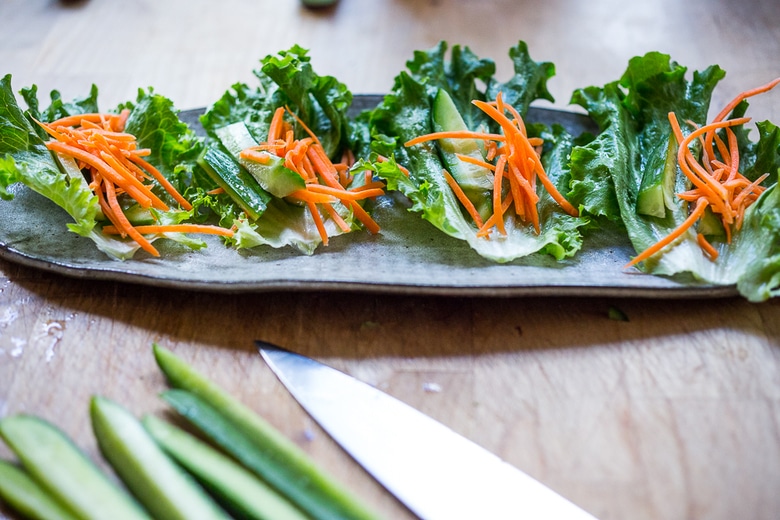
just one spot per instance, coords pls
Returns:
(435, 472)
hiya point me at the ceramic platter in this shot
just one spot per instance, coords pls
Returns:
(409, 256)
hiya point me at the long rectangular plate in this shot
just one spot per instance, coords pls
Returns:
(409, 256)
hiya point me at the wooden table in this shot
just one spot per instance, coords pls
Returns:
(673, 414)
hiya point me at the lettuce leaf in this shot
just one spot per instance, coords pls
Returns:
(608, 173)
(25, 159)
(405, 113)
(287, 79)
(321, 103)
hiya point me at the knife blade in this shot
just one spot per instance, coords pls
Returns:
(434, 471)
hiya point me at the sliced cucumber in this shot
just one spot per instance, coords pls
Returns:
(242, 187)
(53, 461)
(238, 489)
(25, 496)
(273, 176)
(710, 225)
(476, 181)
(166, 490)
(255, 443)
(656, 192)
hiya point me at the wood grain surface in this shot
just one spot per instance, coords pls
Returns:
(672, 414)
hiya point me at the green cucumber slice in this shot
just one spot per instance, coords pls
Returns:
(274, 177)
(236, 182)
(166, 490)
(239, 490)
(476, 181)
(60, 467)
(656, 192)
(255, 443)
(25, 496)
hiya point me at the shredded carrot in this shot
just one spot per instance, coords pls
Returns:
(114, 166)
(326, 182)
(315, 213)
(516, 164)
(497, 183)
(124, 223)
(671, 237)
(474, 160)
(706, 247)
(334, 215)
(257, 156)
(459, 193)
(275, 129)
(495, 217)
(152, 229)
(715, 177)
(458, 134)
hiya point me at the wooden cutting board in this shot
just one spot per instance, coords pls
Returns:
(670, 414)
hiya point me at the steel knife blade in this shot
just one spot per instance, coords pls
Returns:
(434, 471)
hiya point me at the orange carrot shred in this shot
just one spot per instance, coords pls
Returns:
(706, 247)
(318, 222)
(461, 196)
(115, 167)
(152, 229)
(517, 163)
(671, 237)
(325, 182)
(717, 182)
(459, 134)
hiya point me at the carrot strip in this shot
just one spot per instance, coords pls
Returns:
(164, 182)
(174, 228)
(275, 128)
(318, 222)
(744, 95)
(325, 181)
(461, 195)
(257, 156)
(303, 125)
(334, 215)
(124, 224)
(491, 221)
(344, 194)
(364, 217)
(698, 211)
(324, 167)
(749, 190)
(459, 134)
(134, 186)
(497, 188)
(474, 160)
(96, 162)
(76, 119)
(706, 247)
(370, 185)
(306, 195)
